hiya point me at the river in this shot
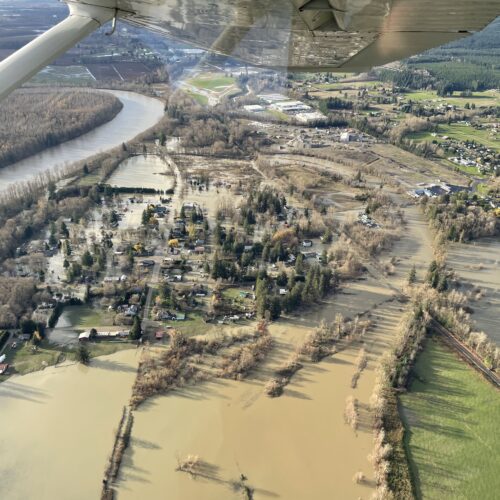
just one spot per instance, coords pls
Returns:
(137, 115)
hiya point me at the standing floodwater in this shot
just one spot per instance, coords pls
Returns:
(137, 115)
(143, 171)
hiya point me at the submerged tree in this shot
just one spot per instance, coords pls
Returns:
(83, 354)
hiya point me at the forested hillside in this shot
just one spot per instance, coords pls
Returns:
(475, 65)
(476, 61)
(32, 120)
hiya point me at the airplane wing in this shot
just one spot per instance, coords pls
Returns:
(298, 35)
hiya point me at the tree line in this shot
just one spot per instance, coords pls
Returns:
(33, 120)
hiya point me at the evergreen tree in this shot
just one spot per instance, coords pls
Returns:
(136, 330)
(275, 307)
(67, 248)
(83, 354)
(64, 230)
(412, 277)
(262, 297)
(299, 264)
(87, 259)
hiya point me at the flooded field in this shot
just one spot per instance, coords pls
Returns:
(298, 445)
(56, 428)
(478, 265)
(143, 172)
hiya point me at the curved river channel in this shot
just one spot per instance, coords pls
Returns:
(137, 115)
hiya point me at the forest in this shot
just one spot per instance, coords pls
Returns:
(475, 65)
(32, 120)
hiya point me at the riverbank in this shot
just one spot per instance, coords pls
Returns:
(34, 120)
(138, 114)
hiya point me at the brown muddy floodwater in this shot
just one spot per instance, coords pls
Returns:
(57, 428)
(294, 447)
(478, 266)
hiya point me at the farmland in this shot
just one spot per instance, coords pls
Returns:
(450, 414)
(461, 132)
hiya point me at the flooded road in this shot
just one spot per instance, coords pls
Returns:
(137, 115)
(56, 427)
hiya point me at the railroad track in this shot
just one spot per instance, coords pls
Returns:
(466, 354)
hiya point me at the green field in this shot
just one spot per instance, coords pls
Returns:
(85, 317)
(90, 179)
(200, 99)
(193, 324)
(212, 82)
(486, 98)
(25, 359)
(460, 132)
(451, 416)
(343, 85)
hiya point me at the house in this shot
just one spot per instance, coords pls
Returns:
(159, 335)
(307, 243)
(131, 310)
(283, 291)
(309, 255)
(199, 250)
(254, 108)
(179, 317)
(84, 336)
(3, 368)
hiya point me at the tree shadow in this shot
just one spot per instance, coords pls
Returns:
(106, 364)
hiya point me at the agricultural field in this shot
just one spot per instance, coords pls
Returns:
(460, 132)
(451, 417)
(486, 98)
(63, 74)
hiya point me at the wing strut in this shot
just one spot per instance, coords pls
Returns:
(23, 64)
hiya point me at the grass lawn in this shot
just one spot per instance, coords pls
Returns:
(487, 98)
(85, 317)
(24, 359)
(193, 324)
(278, 114)
(451, 417)
(212, 82)
(483, 188)
(90, 179)
(200, 99)
(463, 132)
